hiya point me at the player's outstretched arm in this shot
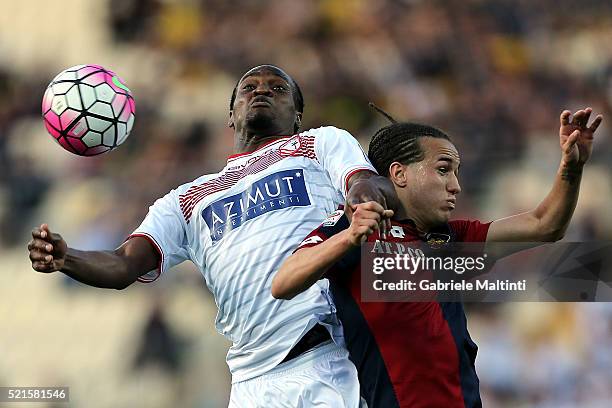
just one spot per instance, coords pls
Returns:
(104, 269)
(302, 269)
(550, 219)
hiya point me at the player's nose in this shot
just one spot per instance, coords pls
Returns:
(263, 89)
(453, 186)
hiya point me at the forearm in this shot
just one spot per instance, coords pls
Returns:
(549, 220)
(302, 269)
(102, 269)
(555, 211)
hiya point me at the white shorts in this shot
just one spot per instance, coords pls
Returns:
(321, 377)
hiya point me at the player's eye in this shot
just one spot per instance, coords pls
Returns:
(443, 170)
(279, 88)
(248, 87)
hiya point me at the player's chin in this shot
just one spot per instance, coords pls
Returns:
(444, 215)
(260, 117)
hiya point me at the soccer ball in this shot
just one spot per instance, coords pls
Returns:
(88, 110)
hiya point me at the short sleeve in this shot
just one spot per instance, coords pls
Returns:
(341, 156)
(164, 228)
(333, 224)
(470, 230)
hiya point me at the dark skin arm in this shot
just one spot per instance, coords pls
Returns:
(367, 186)
(103, 269)
(120, 268)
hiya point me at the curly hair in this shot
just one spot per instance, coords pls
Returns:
(399, 142)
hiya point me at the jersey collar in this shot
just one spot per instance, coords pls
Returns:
(263, 146)
(441, 233)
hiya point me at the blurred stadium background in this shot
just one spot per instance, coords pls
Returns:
(495, 75)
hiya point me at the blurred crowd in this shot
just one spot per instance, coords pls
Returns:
(494, 75)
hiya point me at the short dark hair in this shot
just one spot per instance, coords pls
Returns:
(399, 142)
(298, 98)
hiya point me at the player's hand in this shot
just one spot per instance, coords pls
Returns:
(373, 188)
(576, 137)
(47, 250)
(366, 219)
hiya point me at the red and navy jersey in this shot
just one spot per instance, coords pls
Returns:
(408, 354)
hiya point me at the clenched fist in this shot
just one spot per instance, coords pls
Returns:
(365, 219)
(47, 250)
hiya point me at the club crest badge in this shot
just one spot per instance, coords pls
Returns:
(290, 146)
(437, 240)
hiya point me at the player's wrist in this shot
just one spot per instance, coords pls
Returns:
(571, 172)
(70, 262)
(350, 239)
(573, 166)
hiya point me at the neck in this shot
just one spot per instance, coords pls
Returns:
(247, 141)
(404, 213)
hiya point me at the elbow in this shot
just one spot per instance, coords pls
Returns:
(124, 281)
(550, 238)
(552, 234)
(280, 295)
(121, 285)
(278, 292)
(280, 282)
(557, 236)
(279, 288)
(548, 229)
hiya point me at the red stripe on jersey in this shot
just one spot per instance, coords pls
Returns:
(235, 156)
(195, 194)
(161, 256)
(351, 173)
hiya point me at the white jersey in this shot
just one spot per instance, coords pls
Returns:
(240, 224)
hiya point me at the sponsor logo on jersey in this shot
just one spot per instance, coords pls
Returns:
(280, 190)
(396, 248)
(333, 218)
(397, 231)
(245, 164)
(315, 239)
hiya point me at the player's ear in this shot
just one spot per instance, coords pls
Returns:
(398, 174)
(298, 120)
(230, 121)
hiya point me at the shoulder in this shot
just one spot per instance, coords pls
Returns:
(180, 199)
(202, 180)
(326, 131)
(177, 196)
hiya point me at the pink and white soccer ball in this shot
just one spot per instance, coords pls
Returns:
(88, 110)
